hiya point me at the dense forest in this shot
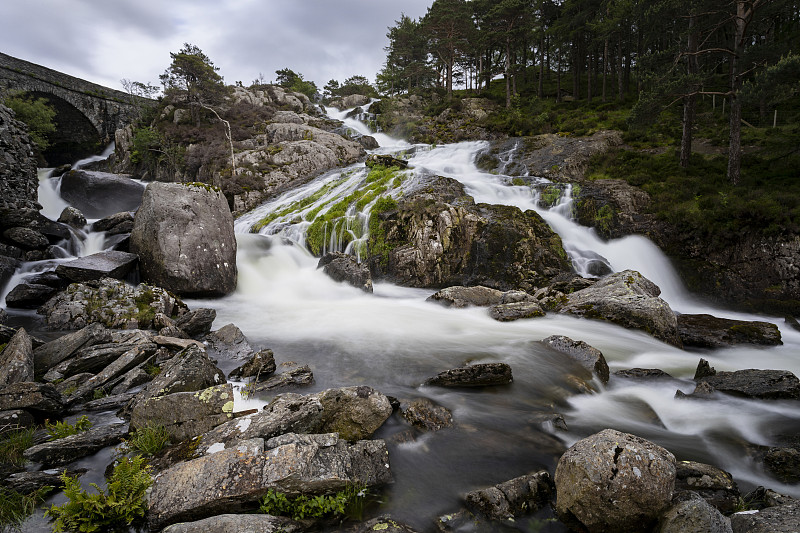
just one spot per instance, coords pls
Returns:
(741, 54)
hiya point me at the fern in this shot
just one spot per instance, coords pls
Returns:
(59, 430)
(348, 502)
(120, 505)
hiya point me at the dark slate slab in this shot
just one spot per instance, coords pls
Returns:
(110, 263)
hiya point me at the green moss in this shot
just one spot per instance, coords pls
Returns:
(604, 219)
(145, 313)
(204, 186)
(550, 196)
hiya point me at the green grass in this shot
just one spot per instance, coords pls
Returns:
(13, 443)
(15, 507)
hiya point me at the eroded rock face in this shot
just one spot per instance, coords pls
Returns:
(184, 237)
(229, 480)
(614, 482)
(18, 164)
(438, 237)
(629, 299)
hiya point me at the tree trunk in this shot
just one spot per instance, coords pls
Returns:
(735, 142)
(605, 67)
(540, 89)
(589, 71)
(620, 72)
(508, 73)
(690, 101)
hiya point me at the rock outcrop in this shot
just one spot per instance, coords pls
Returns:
(17, 164)
(629, 299)
(437, 237)
(184, 237)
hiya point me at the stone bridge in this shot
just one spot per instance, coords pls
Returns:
(87, 114)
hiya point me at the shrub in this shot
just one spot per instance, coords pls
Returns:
(120, 505)
(345, 503)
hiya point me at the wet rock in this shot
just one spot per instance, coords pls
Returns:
(703, 391)
(99, 194)
(132, 379)
(26, 238)
(381, 160)
(704, 369)
(354, 413)
(16, 359)
(68, 449)
(783, 464)
(239, 523)
(714, 485)
(49, 278)
(352, 100)
(109, 263)
(33, 219)
(692, 514)
(185, 414)
(516, 311)
(228, 342)
(635, 475)
(134, 357)
(781, 519)
(479, 375)
(15, 419)
(368, 142)
(232, 479)
(294, 377)
(260, 366)
(29, 295)
(587, 356)
(185, 241)
(346, 268)
(72, 217)
(459, 296)
(8, 266)
(123, 306)
(424, 414)
(628, 299)
(642, 373)
(115, 224)
(30, 482)
(522, 495)
(762, 498)
(197, 322)
(753, 383)
(706, 331)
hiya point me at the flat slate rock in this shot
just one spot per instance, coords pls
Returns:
(754, 383)
(107, 264)
(63, 451)
(29, 295)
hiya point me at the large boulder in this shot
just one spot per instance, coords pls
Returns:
(16, 359)
(99, 194)
(184, 237)
(233, 479)
(707, 331)
(628, 299)
(614, 482)
(110, 302)
(438, 237)
(109, 263)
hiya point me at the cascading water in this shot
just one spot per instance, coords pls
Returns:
(393, 340)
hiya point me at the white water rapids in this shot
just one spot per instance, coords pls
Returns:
(393, 340)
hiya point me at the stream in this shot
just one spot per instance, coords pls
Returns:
(393, 340)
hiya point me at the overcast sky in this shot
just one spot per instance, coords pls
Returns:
(106, 40)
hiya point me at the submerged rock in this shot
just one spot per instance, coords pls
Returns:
(706, 331)
(628, 299)
(426, 415)
(459, 296)
(478, 375)
(614, 482)
(184, 237)
(516, 311)
(233, 479)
